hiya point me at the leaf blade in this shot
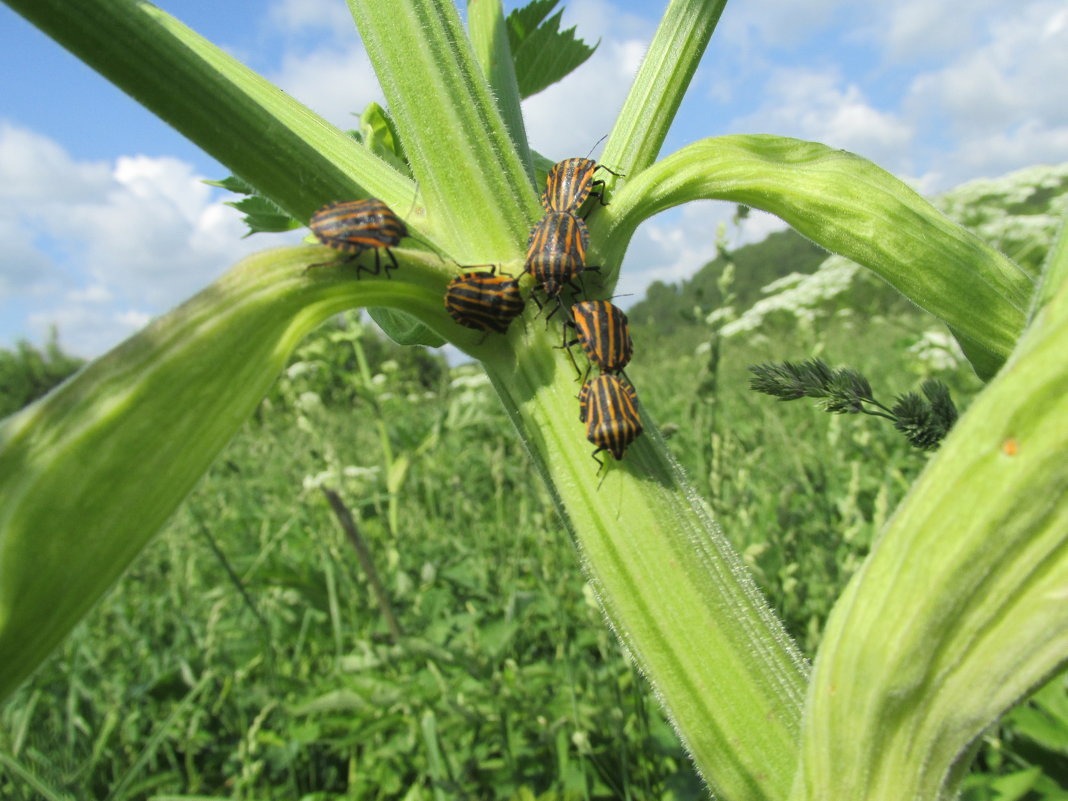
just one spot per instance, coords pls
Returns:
(849, 206)
(90, 472)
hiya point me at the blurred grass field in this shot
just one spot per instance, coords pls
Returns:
(246, 656)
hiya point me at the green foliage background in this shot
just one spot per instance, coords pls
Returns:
(243, 655)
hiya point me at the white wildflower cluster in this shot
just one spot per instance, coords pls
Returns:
(724, 314)
(309, 403)
(937, 351)
(469, 390)
(469, 381)
(353, 475)
(1019, 213)
(299, 369)
(805, 298)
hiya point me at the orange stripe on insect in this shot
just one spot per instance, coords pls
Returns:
(355, 226)
(570, 182)
(608, 405)
(602, 330)
(556, 254)
(484, 301)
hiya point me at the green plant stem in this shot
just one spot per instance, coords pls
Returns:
(458, 145)
(849, 206)
(675, 592)
(969, 580)
(677, 595)
(89, 473)
(264, 136)
(366, 379)
(485, 22)
(665, 73)
(367, 562)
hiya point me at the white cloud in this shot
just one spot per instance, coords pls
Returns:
(818, 105)
(907, 30)
(34, 168)
(672, 246)
(335, 82)
(24, 269)
(1001, 101)
(149, 237)
(291, 16)
(1010, 77)
(920, 28)
(598, 87)
(87, 329)
(1033, 142)
(776, 23)
(131, 239)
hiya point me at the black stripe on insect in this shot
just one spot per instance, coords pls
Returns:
(355, 226)
(602, 330)
(556, 255)
(484, 301)
(571, 182)
(608, 405)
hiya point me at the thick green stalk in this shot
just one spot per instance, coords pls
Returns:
(485, 21)
(475, 185)
(678, 596)
(665, 73)
(960, 610)
(673, 589)
(263, 135)
(89, 473)
(849, 206)
(1054, 278)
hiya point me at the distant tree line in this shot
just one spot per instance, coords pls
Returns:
(28, 372)
(667, 307)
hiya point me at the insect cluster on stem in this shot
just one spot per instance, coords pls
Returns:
(489, 300)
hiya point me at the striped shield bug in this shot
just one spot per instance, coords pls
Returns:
(608, 405)
(556, 253)
(601, 329)
(570, 182)
(354, 226)
(483, 301)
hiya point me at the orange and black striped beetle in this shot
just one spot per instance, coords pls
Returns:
(608, 405)
(601, 329)
(483, 301)
(354, 226)
(556, 254)
(570, 182)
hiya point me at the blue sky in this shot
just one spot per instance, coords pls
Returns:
(104, 222)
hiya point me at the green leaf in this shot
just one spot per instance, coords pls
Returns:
(379, 135)
(403, 328)
(90, 472)
(260, 133)
(398, 471)
(1015, 786)
(232, 183)
(849, 206)
(542, 53)
(489, 40)
(263, 216)
(969, 580)
(1048, 731)
(522, 22)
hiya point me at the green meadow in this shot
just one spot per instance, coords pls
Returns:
(251, 653)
